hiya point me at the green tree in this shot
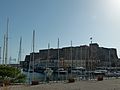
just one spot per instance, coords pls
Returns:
(11, 74)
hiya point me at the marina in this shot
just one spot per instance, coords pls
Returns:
(78, 73)
(59, 45)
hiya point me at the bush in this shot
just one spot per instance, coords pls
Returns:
(10, 74)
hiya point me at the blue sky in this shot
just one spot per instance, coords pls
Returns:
(75, 20)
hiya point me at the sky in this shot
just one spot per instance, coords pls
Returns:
(75, 20)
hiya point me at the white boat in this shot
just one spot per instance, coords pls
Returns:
(110, 74)
(78, 70)
(113, 74)
(100, 72)
(61, 71)
(116, 74)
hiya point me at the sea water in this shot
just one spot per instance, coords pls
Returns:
(41, 77)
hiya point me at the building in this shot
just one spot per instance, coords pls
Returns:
(90, 57)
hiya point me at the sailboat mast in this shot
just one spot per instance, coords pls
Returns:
(33, 51)
(0, 56)
(29, 69)
(71, 58)
(20, 49)
(58, 60)
(109, 59)
(6, 46)
(3, 61)
(81, 57)
(48, 54)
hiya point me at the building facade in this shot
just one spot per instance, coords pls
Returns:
(89, 57)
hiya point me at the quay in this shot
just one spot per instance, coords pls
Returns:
(109, 84)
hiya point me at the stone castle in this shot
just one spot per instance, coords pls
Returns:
(89, 57)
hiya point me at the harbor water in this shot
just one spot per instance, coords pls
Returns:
(41, 77)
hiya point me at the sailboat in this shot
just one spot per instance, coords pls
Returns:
(32, 62)
(48, 71)
(62, 71)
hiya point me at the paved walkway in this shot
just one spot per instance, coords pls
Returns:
(112, 84)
